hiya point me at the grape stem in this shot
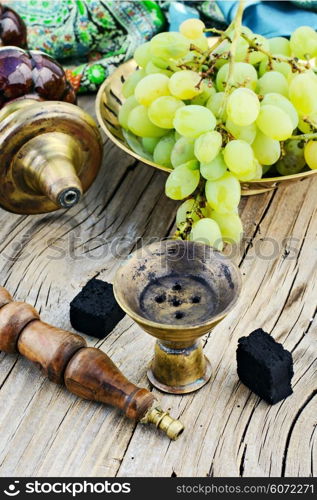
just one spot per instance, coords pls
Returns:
(184, 228)
(237, 25)
(304, 137)
(223, 35)
(289, 60)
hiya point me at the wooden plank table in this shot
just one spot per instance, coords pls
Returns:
(45, 260)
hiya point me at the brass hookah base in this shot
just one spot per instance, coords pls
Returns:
(50, 155)
(179, 368)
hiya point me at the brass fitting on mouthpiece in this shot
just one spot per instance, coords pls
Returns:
(162, 420)
(50, 154)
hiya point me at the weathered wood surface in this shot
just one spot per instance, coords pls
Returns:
(229, 432)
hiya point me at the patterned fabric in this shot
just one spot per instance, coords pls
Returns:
(306, 4)
(93, 30)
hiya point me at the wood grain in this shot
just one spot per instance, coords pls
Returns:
(45, 260)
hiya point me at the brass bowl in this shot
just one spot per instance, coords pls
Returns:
(108, 102)
(177, 291)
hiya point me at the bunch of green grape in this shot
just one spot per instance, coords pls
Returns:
(215, 122)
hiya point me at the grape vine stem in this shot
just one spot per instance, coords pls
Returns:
(304, 137)
(289, 60)
(237, 25)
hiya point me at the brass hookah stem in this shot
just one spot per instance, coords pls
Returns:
(86, 371)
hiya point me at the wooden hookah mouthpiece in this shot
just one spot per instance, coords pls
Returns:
(86, 371)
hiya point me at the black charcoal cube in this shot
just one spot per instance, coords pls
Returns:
(94, 310)
(265, 367)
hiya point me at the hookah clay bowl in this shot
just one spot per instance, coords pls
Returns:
(108, 103)
(177, 291)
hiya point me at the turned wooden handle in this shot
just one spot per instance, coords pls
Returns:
(65, 358)
(92, 375)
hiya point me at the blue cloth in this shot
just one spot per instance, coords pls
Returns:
(266, 18)
(270, 18)
(179, 12)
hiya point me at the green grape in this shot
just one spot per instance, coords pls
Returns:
(308, 124)
(304, 126)
(283, 103)
(243, 107)
(190, 209)
(273, 81)
(201, 43)
(193, 120)
(192, 28)
(250, 175)
(222, 50)
(244, 75)
(192, 164)
(242, 47)
(186, 211)
(223, 195)
(266, 150)
(215, 103)
(151, 69)
(215, 169)
(163, 149)
(275, 122)
(177, 135)
(150, 88)
(183, 151)
(259, 170)
(256, 57)
(230, 226)
(184, 84)
(131, 82)
(125, 110)
(264, 66)
(142, 55)
(281, 67)
(293, 160)
(304, 42)
(239, 157)
(241, 51)
(207, 231)
(310, 152)
(280, 46)
(170, 45)
(149, 143)
(207, 146)
(159, 62)
(246, 134)
(206, 94)
(140, 124)
(162, 111)
(182, 182)
(303, 93)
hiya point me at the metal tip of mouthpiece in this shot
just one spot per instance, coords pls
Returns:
(162, 420)
(69, 197)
